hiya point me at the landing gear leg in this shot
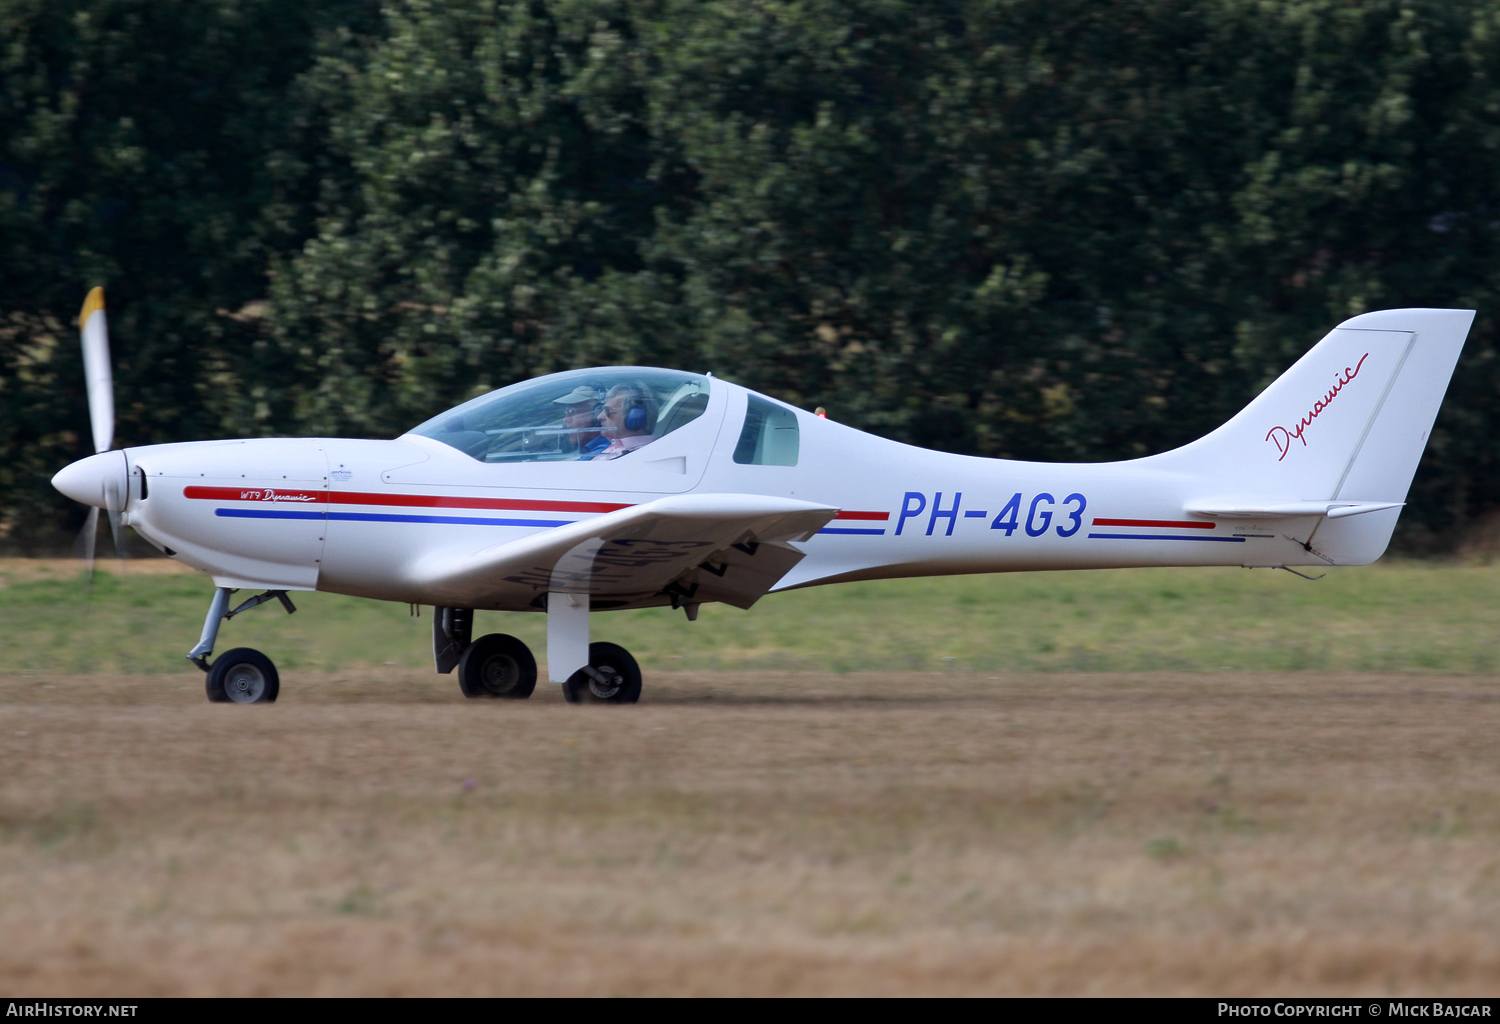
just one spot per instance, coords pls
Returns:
(567, 634)
(243, 675)
(452, 632)
(589, 673)
(216, 611)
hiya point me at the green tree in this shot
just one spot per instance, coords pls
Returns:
(1052, 230)
(1007, 227)
(498, 165)
(148, 146)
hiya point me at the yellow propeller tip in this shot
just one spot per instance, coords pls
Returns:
(94, 301)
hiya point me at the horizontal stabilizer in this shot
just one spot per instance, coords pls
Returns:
(1285, 509)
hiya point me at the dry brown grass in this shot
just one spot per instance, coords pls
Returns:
(27, 570)
(374, 833)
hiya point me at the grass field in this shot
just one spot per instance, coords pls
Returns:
(1082, 801)
(1412, 616)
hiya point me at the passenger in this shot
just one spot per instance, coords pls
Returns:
(581, 420)
(628, 417)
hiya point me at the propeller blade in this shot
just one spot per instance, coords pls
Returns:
(114, 503)
(118, 530)
(96, 370)
(90, 532)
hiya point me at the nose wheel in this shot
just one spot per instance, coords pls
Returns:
(242, 676)
(612, 677)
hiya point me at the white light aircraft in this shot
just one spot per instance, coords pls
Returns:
(632, 487)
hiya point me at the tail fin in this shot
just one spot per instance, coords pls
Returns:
(1344, 427)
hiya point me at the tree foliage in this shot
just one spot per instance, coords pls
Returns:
(1049, 230)
(148, 146)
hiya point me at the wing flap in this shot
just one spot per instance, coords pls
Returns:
(742, 574)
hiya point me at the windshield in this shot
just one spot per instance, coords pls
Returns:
(575, 416)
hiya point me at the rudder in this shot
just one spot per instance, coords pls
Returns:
(1347, 422)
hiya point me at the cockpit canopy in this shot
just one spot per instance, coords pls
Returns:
(557, 418)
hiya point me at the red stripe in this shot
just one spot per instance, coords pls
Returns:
(1173, 523)
(307, 497)
(445, 501)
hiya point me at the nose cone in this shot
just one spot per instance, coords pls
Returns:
(101, 480)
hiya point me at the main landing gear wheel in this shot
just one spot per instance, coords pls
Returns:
(242, 676)
(497, 665)
(616, 678)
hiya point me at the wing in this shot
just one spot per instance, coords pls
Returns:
(678, 550)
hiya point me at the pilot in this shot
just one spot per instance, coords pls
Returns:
(580, 420)
(628, 417)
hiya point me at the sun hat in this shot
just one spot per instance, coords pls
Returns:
(582, 393)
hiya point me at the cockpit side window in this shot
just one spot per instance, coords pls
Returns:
(769, 437)
(559, 418)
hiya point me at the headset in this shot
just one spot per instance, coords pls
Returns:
(597, 406)
(637, 408)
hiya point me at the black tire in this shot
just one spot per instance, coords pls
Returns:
(623, 678)
(243, 676)
(497, 666)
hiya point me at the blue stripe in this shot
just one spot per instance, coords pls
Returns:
(862, 533)
(1161, 536)
(256, 513)
(383, 517)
